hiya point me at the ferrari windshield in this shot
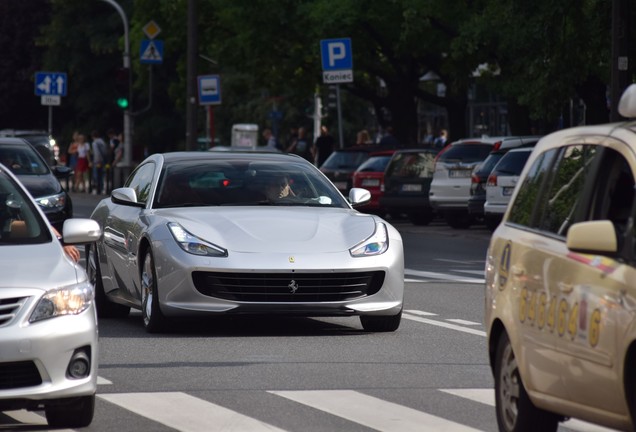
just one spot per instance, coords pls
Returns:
(229, 182)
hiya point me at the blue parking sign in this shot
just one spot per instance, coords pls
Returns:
(336, 54)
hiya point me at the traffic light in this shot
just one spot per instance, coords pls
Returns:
(121, 87)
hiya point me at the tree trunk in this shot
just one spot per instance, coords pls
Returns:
(593, 93)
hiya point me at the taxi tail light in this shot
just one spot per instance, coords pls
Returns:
(492, 180)
(474, 179)
(496, 146)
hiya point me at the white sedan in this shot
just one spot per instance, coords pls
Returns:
(201, 233)
(48, 322)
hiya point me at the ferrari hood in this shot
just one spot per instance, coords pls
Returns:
(272, 229)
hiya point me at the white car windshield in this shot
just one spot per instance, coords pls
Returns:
(20, 222)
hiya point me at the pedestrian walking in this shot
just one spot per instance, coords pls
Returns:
(99, 157)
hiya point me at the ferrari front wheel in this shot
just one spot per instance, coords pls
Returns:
(154, 320)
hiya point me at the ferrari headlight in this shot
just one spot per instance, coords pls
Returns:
(193, 244)
(71, 300)
(57, 201)
(377, 244)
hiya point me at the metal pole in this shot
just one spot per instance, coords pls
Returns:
(191, 102)
(50, 120)
(127, 160)
(339, 116)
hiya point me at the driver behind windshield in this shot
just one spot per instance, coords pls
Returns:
(277, 186)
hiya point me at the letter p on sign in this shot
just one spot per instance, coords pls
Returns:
(336, 52)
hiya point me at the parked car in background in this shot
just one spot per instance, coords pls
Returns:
(407, 181)
(223, 233)
(450, 188)
(42, 141)
(478, 181)
(501, 183)
(41, 180)
(48, 324)
(342, 163)
(370, 176)
(560, 292)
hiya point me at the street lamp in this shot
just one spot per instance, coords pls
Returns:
(127, 160)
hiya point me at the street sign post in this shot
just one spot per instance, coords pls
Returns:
(337, 61)
(151, 51)
(209, 89)
(337, 67)
(50, 84)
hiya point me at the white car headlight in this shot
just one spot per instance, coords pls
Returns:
(377, 244)
(193, 244)
(57, 201)
(71, 300)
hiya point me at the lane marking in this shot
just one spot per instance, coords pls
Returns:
(443, 276)
(186, 413)
(462, 322)
(444, 324)
(487, 397)
(372, 412)
(419, 312)
(103, 381)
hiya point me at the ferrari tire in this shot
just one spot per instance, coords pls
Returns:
(72, 413)
(515, 410)
(105, 307)
(153, 318)
(379, 323)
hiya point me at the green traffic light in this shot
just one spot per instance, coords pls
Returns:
(122, 102)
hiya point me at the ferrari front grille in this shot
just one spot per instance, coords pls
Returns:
(288, 287)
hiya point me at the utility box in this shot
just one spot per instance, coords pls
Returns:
(244, 136)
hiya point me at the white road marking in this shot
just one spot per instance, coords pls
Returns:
(419, 312)
(186, 413)
(103, 381)
(487, 397)
(443, 276)
(463, 322)
(372, 412)
(444, 324)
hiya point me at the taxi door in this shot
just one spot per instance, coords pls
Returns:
(594, 301)
(588, 294)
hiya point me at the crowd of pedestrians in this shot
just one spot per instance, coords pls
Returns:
(93, 161)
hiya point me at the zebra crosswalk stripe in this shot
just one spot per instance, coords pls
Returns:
(487, 397)
(186, 413)
(372, 412)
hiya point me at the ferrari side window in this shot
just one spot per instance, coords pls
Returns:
(141, 180)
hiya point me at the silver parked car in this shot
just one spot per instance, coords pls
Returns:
(48, 321)
(200, 233)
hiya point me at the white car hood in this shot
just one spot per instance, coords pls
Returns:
(42, 266)
(276, 229)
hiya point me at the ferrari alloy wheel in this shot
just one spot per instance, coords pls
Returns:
(515, 410)
(388, 323)
(154, 321)
(105, 307)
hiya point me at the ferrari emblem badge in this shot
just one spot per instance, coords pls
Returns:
(291, 259)
(293, 286)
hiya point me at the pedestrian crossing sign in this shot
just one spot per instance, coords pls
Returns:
(151, 51)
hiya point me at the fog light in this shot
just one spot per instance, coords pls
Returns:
(79, 366)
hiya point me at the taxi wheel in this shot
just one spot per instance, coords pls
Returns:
(515, 410)
(105, 307)
(154, 320)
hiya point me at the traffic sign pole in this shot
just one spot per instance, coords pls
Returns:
(337, 66)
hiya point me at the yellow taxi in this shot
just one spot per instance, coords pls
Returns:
(560, 295)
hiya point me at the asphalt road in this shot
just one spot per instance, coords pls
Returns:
(311, 375)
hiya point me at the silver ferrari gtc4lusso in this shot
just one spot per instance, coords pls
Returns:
(201, 233)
